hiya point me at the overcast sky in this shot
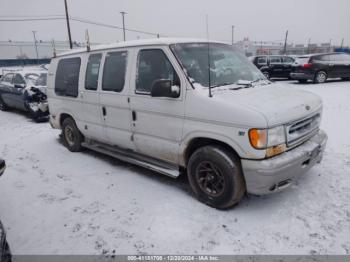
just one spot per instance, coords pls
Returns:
(320, 20)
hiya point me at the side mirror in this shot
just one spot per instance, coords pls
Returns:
(164, 88)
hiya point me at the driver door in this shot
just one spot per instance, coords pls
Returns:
(157, 122)
(18, 92)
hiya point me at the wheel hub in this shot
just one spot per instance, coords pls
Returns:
(210, 179)
(69, 134)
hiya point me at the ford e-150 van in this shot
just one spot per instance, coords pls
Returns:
(182, 105)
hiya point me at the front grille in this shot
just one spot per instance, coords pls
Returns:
(301, 130)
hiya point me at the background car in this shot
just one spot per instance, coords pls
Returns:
(319, 67)
(25, 90)
(274, 66)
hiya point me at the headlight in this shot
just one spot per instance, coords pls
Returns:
(273, 140)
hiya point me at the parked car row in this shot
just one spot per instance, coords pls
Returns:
(25, 89)
(316, 67)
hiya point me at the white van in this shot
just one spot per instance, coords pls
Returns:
(176, 105)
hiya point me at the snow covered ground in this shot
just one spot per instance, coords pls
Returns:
(56, 202)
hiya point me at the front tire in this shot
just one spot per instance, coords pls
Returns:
(216, 177)
(320, 77)
(266, 74)
(71, 135)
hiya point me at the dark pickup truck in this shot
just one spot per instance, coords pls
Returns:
(274, 66)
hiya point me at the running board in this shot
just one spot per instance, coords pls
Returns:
(134, 158)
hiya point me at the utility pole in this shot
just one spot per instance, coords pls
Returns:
(123, 14)
(36, 47)
(285, 44)
(68, 26)
(330, 45)
(342, 43)
(233, 34)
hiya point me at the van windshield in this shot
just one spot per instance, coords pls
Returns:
(227, 65)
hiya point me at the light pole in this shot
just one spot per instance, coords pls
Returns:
(36, 47)
(123, 17)
(68, 26)
(233, 34)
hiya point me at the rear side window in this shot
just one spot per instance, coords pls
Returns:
(67, 77)
(275, 60)
(262, 60)
(92, 70)
(335, 57)
(114, 71)
(288, 60)
(320, 58)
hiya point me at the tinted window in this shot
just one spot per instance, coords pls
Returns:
(114, 71)
(336, 57)
(262, 60)
(153, 65)
(320, 58)
(8, 78)
(345, 57)
(92, 70)
(18, 80)
(288, 60)
(275, 60)
(67, 77)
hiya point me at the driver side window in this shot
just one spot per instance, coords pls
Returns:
(153, 65)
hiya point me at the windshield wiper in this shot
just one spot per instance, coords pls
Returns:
(221, 84)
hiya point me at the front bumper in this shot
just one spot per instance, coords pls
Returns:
(302, 76)
(277, 173)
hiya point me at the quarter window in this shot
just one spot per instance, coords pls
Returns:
(92, 71)
(114, 71)
(153, 65)
(67, 77)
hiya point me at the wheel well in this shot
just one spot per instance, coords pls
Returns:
(200, 142)
(63, 117)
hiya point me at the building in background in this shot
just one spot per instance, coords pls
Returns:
(277, 48)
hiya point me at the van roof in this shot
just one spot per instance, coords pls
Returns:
(143, 42)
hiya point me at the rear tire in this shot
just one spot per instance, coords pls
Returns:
(302, 81)
(320, 77)
(3, 106)
(71, 135)
(266, 74)
(216, 176)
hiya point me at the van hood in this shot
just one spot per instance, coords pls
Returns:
(277, 103)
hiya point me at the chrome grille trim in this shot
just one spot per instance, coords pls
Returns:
(301, 130)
